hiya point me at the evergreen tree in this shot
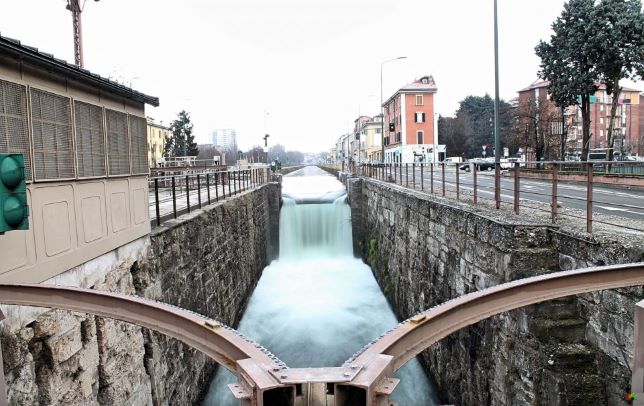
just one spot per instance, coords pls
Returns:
(182, 141)
(568, 61)
(620, 50)
(476, 114)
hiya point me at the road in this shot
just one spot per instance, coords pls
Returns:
(615, 201)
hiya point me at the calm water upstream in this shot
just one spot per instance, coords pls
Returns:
(317, 305)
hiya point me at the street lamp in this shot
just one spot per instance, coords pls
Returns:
(75, 7)
(266, 145)
(497, 139)
(382, 110)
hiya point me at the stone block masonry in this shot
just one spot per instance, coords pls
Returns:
(207, 261)
(425, 250)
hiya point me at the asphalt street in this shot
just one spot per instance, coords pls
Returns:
(613, 200)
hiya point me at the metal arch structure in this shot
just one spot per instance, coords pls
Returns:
(218, 341)
(221, 343)
(367, 377)
(417, 333)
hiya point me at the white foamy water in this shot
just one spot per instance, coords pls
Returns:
(317, 305)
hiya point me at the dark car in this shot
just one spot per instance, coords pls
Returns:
(481, 165)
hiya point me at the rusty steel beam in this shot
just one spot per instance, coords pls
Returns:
(416, 334)
(218, 341)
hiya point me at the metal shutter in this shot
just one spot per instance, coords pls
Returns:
(52, 136)
(90, 140)
(118, 147)
(139, 145)
(13, 121)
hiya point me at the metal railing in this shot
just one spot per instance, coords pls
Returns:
(574, 189)
(172, 196)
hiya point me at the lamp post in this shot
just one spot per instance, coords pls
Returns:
(382, 110)
(75, 7)
(266, 145)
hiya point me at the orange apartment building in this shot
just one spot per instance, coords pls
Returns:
(411, 124)
(628, 126)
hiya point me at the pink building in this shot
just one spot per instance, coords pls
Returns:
(411, 125)
(628, 127)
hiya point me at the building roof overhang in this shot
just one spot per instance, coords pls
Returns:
(27, 54)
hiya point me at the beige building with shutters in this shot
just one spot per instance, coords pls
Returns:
(84, 138)
(157, 136)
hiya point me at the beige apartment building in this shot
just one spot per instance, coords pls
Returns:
(157, 136)
(86, 156)
(370, 135)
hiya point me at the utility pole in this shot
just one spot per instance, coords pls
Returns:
(75, 7)
(497, 139)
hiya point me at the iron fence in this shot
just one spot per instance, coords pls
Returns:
(172, 196)
(574, 189)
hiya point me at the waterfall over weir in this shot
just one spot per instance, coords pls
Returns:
(317, 305)
(315, 229)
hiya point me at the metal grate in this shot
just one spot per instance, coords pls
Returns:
(90, 140)
(118, 147)
(139, 145)
(13, 121)
(52, 136)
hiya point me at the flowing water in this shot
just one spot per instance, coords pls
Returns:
(317, 305)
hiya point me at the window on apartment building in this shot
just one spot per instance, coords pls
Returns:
(138, 145)
(398, 137)
(118, 146)
(419, 117)
(51, 123)
(419, 100)
(601, 120)
(90, 140)
(601, 133)
(419, 137)
(601, 107)
(14, 136)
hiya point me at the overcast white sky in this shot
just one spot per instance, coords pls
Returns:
(313, 65)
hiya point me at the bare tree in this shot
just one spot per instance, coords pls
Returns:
(541, 125)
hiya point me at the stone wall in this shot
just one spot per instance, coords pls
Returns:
(208, 261)
(425, 250)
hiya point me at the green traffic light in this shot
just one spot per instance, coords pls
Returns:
(14, 211)
(11, 173)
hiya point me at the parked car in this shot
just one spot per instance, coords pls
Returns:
(512, 161)
(480, 163)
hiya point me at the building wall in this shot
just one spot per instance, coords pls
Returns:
(412, 127)
(423, 251)
(225, 138)
(157, 136)
(627, 120)
(402, 112)
(87, 195)
(393, 113)
(207, 261)
(73, 222)
(373, 142)
(640, 127)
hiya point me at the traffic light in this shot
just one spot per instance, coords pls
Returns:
(392, 127)
(14, 212)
